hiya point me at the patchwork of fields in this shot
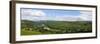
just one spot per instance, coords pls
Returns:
(54, 27)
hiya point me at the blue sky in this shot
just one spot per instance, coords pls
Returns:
(52, 12)
(55, 14)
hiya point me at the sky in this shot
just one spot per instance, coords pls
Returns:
(35, 14)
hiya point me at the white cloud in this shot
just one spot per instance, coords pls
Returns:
(26, 12)
(29, 14)
(86, 15)
(35, 13)
(66, 18)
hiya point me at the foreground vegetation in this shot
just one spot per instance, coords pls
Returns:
(54, 27)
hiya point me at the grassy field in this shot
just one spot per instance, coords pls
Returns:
(54, 27)
(26, 32)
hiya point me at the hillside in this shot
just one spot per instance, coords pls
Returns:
(54, 27)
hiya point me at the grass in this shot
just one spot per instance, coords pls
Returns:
(26, 32)
(54, 27)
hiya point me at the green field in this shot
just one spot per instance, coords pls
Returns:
(54, 27)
